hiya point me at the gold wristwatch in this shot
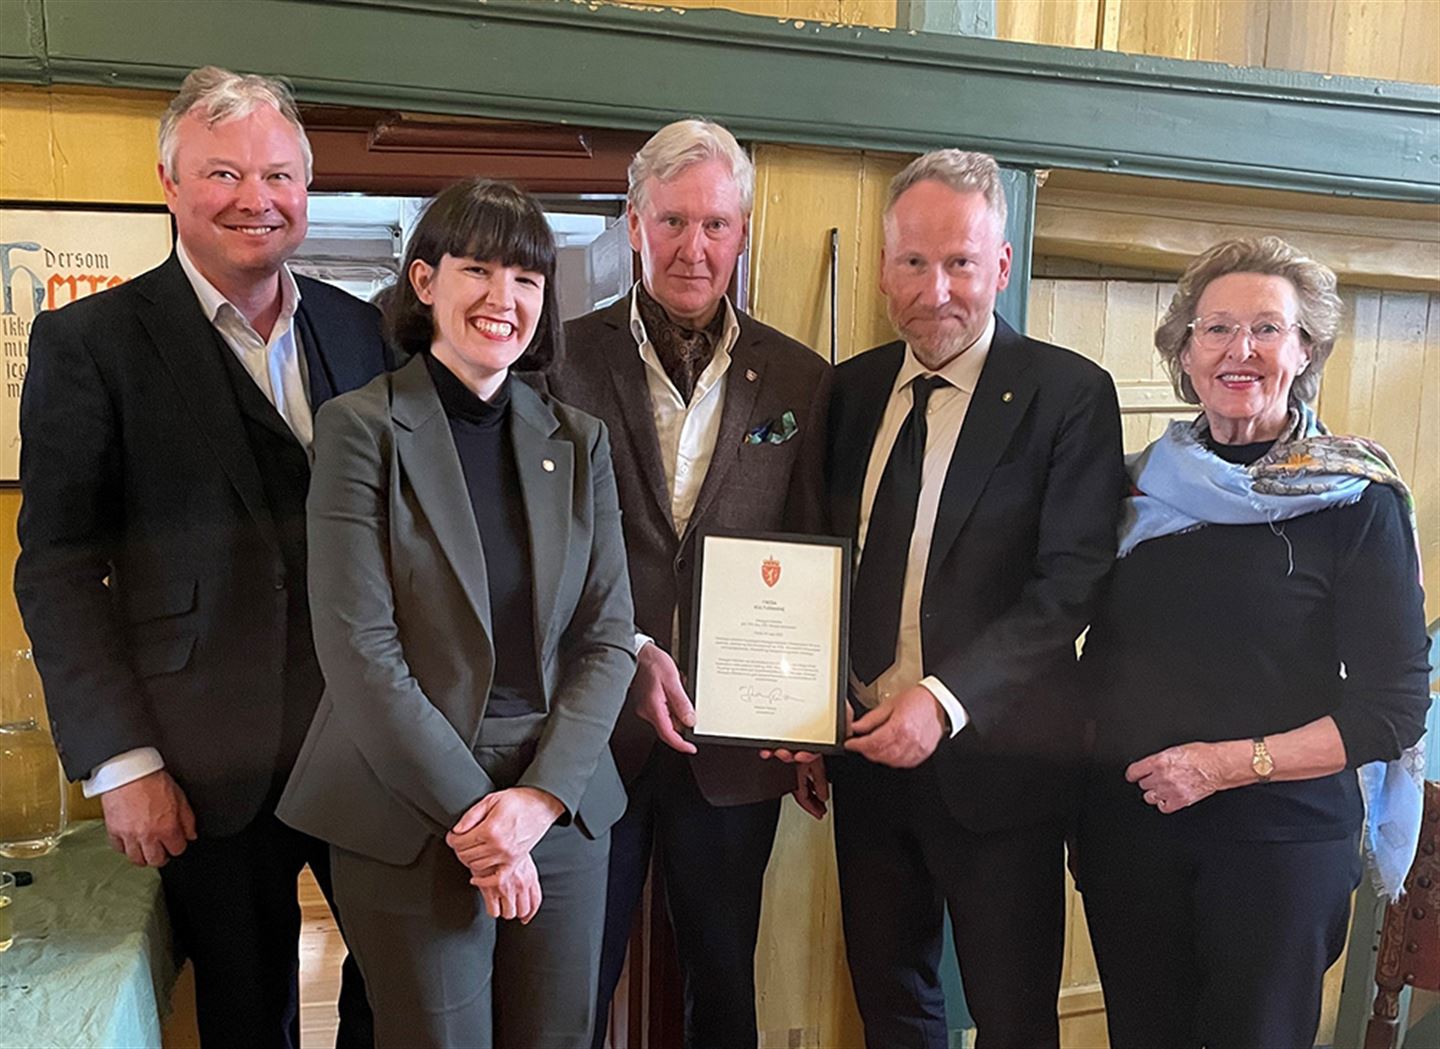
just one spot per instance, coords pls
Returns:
(1261, 763)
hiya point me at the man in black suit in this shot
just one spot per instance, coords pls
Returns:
(716, 421)
(980, 474)
(166, 427)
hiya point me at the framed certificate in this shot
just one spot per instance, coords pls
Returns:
(769, 640)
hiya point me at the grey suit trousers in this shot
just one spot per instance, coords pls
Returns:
(441, 972)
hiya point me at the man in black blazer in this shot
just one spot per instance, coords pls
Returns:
(166, 428)
(980, 473)
(716, 421)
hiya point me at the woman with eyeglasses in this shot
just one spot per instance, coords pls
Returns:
(1261, 640)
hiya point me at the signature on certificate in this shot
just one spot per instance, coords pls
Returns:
(771, 697)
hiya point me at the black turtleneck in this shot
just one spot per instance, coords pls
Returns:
(487, 458)
(1234, 631)
(1237, 454)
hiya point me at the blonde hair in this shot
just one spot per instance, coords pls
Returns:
(216, 95)
(1314, 283)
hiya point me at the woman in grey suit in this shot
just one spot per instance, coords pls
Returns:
(472, 617)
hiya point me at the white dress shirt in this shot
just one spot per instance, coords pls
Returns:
(943, 418)
(275, 364)
(687, 432)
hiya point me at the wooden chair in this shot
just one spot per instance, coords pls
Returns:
(1409, 951)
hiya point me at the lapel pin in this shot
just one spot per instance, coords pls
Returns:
(548, 465)
(750, 375)
(1007, 396)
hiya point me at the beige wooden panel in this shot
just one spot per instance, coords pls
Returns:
(1041, 320)
(1420, 47)
(1367, 37)
(1399, 369)
(27, 170)
(1425, 478)
(803, 998)
(1232, 31)
(870, 325)
(879, 13)
(1062, 23)
(1078, 317)
(1300, 35)
(1346, 393)
(1134, 225)
(1130, 308)
(802, 193)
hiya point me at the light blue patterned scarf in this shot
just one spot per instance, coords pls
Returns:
(1180, 485)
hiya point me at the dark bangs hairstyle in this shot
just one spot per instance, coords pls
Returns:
(486, 220)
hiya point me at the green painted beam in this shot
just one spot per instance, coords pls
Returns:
(22, 39)
(556, 60)
(1014, 302)
(957, 17)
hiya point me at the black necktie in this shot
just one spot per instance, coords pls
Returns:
(880, 585)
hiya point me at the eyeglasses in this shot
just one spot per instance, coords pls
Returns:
(1217, 331)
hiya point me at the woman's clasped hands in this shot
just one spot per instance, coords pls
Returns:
(494, 838)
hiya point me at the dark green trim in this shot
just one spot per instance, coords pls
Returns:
(22, 39)
(849, 87)
(1014, 302)
(956, 17)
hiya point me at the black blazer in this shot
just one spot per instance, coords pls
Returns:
(1024, 536)
(151, 576)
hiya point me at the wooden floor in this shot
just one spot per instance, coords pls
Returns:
(321, 954)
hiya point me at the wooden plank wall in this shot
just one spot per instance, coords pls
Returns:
(1384, 39)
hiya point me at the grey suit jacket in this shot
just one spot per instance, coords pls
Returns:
(402, 619)
(751, 487)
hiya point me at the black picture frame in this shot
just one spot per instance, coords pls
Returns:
(842, 639)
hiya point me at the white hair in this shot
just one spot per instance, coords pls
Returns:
(677, 146)
(962, 171)
(215, 95)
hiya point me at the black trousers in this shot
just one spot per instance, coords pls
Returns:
(233, 904)
(903, 859)
(1207, 941)
(713, 861)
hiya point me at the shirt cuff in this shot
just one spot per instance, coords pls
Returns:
(122, 769)
(641, 640)
(948, 703)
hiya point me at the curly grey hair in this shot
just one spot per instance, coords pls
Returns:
(1314, 283)
(216, 95)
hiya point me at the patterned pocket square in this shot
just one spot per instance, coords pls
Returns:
(776, 431)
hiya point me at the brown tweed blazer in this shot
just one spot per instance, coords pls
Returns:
(755, 487)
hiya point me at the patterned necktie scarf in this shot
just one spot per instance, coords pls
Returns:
(684, 352)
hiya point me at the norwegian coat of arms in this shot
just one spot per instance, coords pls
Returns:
(770, 571)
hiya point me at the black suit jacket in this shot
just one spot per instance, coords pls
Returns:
(1024, 536)
(151, 577)
(752, 487)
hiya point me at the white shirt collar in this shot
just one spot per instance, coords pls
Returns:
(962, 371)
(728, 335)
(212, 301)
